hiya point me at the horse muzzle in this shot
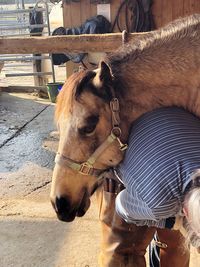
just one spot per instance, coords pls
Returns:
(67, 212)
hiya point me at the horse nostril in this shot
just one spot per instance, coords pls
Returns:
(62, 204)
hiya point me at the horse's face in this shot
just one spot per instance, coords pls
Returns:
(84, 121)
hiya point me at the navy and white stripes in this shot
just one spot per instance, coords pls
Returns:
(164, 150)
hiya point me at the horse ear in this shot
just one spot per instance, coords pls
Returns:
(105, 72)
(103, 75)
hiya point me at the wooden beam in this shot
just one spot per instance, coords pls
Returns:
(23, 89)
(64, 44)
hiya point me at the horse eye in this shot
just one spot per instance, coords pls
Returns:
(89, 129)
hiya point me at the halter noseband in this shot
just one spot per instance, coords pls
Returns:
(86, 168)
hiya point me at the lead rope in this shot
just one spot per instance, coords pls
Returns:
(154, 250)
(157, 241)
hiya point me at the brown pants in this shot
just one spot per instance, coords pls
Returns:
(125, 244)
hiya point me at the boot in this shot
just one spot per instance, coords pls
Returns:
(175, 254)
(122, 244)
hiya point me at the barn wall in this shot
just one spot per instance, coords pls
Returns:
(77, 13)
(164, 11)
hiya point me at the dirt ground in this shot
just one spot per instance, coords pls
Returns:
(30, 234)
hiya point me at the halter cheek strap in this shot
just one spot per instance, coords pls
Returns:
(82, 168)
(86, 167)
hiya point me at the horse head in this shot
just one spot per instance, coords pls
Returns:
(89, 140)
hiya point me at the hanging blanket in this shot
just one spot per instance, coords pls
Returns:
(98, 24)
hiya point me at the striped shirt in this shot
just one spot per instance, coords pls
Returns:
(164, 150)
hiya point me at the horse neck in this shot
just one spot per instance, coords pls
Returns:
(146, 88)
(162, 69)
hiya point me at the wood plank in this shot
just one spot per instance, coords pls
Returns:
(64, 44)
(166, 12)
(76, 14)
(177, 9)
(22, 89)
(192, 6)
(186, 7)
(113, 10)
(122, 15)
(93, 9)
(157, 13)
(67, 15)
(196, 6)
(85, 10)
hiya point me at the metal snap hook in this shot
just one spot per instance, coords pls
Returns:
(116, 131)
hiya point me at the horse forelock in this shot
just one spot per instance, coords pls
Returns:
(71, 92)
(87, 85)
(83, 83)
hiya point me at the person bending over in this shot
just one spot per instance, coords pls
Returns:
(160, 173)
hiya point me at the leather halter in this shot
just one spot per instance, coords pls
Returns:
(86, 168)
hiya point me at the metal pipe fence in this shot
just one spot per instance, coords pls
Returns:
(25, 20)
(24, 58)
(28, 74)
(19, 11)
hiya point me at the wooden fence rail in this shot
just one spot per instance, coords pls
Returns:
(63, 44)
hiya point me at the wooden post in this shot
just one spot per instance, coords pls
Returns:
(37, 18)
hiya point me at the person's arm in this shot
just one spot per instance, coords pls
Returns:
(134, 210)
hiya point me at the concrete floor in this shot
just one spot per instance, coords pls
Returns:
(30, 234)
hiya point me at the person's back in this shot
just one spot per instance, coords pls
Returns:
(164, 151)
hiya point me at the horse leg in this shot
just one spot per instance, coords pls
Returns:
(122, 244)
(177, 253)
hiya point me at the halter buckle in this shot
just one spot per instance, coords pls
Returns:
(85, 168)
(122, 146)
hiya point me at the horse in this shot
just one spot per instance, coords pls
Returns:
(95, 108)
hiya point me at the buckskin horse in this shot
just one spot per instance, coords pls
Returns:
(95, 109)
